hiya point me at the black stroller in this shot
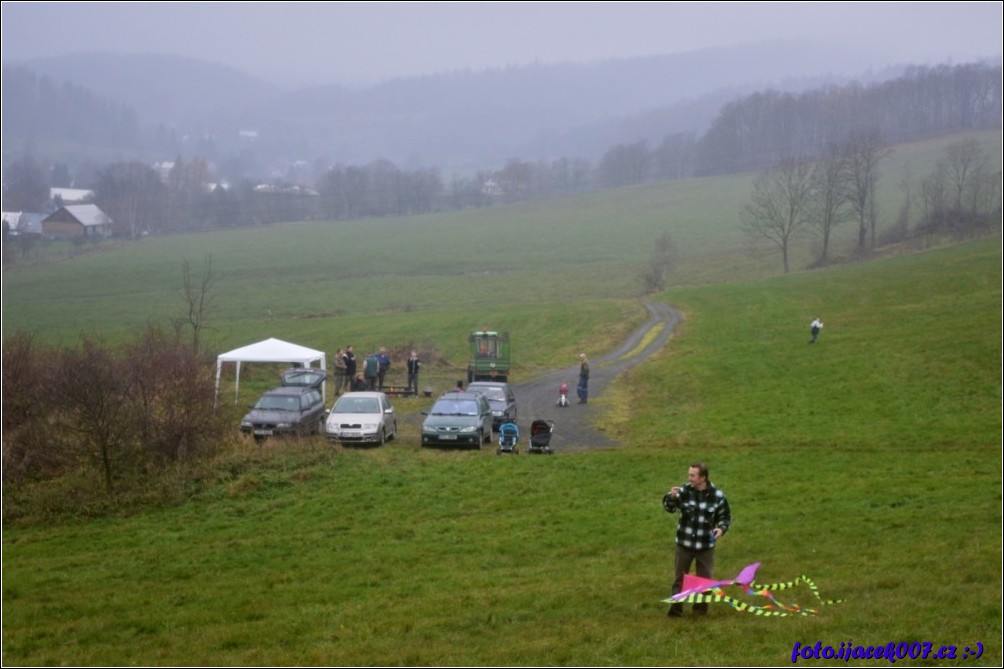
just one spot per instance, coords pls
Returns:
(508, 439)
(540, 436)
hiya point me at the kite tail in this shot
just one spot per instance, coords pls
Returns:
(745, 607)
(776, 608)
(763, 589)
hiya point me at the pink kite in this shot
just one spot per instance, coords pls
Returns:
(699, 590)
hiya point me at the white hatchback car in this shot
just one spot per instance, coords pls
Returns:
(362, 418)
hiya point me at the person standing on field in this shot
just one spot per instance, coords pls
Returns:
(350, 363)
(342, 380)
(371, 369)
(414, 364)
(383, 360)
(583, 388)
(704, 517)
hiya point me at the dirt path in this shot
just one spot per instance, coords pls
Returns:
(572, 431)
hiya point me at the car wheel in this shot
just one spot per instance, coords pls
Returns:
(393, 434)
(383, 437)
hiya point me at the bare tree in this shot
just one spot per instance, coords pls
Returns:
(864, 152)
(964, 162)
(94, 392)
(198, 300)
(829, 196)
(660, 265)
(133, 195)
(780, 205)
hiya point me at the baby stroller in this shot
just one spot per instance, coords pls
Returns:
(508, 439)
(540, 436)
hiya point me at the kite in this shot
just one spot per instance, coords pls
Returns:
(699, 590)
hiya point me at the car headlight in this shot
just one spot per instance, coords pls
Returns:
(245, 423)
(496, 413)
(471, 428)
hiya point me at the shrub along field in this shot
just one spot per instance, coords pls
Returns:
(869, 461)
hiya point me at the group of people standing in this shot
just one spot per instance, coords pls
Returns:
(348, 376)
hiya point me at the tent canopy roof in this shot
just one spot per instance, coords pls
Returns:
(272, 350)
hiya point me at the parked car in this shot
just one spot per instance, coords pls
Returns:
(458, 418)
(296, 407)
(362, 418)
(500, 398)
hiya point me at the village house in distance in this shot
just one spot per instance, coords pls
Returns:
(76, 221)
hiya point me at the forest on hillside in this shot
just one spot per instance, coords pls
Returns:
(754, 132)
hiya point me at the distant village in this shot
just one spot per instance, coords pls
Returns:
(74, 216)
(71, 213)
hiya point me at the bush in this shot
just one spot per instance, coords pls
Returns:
(93, 427)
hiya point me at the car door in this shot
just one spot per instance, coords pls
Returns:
(511, 404)
(312, 412)
(486, 415)
(388, 418)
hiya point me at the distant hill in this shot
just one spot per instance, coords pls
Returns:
(456, 120)
(172, 90)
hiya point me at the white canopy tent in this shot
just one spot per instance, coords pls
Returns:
(270, 350)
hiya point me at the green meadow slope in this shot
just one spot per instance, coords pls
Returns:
(869, 461)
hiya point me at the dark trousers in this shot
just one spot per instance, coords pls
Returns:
(686, 557)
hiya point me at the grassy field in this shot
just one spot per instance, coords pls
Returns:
(869, 461)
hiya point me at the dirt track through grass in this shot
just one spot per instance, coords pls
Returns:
(573, 424)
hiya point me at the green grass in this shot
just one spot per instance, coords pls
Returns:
(870, 462)
(871, 465)
(325, 284)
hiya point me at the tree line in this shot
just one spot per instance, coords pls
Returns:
(36, 106)
(759, 130)
(800, 197)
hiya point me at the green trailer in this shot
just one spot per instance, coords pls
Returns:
(489, 356)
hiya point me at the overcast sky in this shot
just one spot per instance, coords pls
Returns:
(355, 43)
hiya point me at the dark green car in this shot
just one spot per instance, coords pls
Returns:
(458, 419)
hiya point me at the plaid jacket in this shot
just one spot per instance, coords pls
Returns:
(700, 512)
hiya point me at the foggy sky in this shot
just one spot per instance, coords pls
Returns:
(358, 43)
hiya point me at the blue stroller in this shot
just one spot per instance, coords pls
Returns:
(508, 439)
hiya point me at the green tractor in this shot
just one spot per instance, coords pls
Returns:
(489, 356)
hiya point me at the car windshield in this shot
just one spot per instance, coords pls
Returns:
(493, 394)
(278, 403)
(357, 405)
(302, 377)
(455, 408)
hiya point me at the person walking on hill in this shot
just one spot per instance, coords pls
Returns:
(814, 329)
(704, 517)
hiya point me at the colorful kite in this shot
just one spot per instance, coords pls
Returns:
(698, 590)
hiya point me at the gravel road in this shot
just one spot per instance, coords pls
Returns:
(572, 431)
